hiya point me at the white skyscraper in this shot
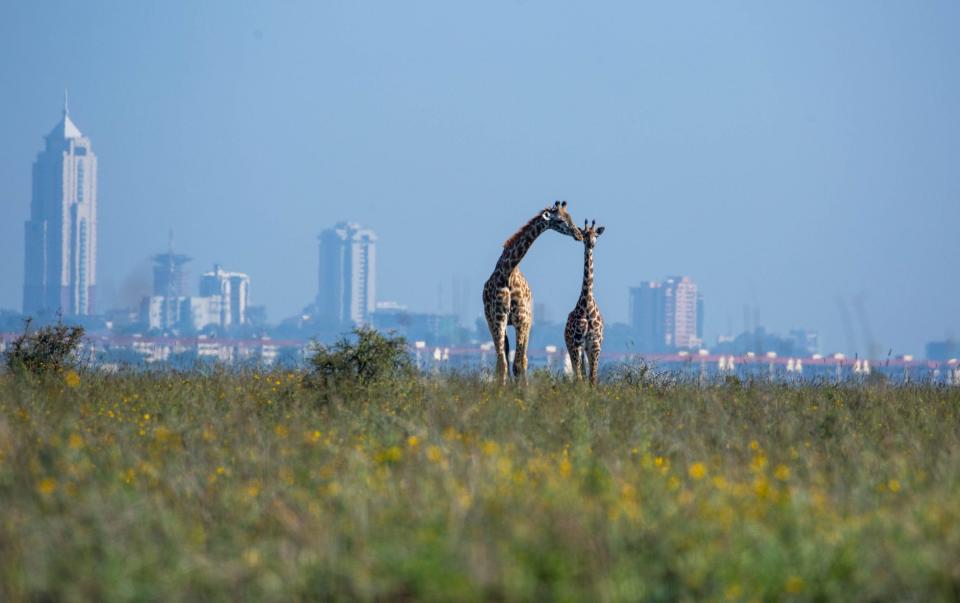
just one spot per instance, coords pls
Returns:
(347, 274)
(233, 288)
(60, 259)
(680, 312)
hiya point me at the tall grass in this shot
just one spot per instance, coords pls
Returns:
(255, 486)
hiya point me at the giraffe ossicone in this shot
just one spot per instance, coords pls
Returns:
(507, 298)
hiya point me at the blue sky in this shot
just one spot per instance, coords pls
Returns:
(788, 157)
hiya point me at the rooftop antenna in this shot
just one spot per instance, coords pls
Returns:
(66, 107)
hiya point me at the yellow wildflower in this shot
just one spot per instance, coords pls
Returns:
(758, 463)
(252, 557)
(390, 455)
(47, 486)
(697, 471)
(894, 485)
(162, 434)
(280, 431)
(413, 441)
(782, 472)
(75, 441)
(71, 378)
(761, 487)
(565, 466)
(434, 454)
(794, 585)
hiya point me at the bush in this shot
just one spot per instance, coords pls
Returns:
(367, 357)
(51, 348)
(637, 372)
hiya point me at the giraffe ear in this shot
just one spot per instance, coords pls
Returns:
(600, 230)
(564, 204)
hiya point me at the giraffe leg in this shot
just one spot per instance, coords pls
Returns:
(520, 356)
(497, 322)
(573, 351)
(593, 350)
(594, 361)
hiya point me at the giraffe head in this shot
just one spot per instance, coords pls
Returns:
(558, 219)
(590, 234)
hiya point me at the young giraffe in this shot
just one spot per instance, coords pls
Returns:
(584, 331)
(507, 299)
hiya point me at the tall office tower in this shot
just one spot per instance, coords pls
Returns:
(347, 274)
(647, 316)
(233, 288)
(680, 312)
(60, 259)
(169, 288)
(169, 272)
(665, 315)
(169, 278)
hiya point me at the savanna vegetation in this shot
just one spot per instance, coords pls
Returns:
(286, 486)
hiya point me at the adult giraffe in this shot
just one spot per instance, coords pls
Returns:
(507, 299)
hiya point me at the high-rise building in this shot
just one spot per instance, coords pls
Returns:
(169, 272)
(665, 315)
(647, 316)
(233, 288)
(169, 288)
(347, 275)
(680, 311)
(60, 259)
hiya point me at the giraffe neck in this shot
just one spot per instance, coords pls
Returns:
(519, 244)
(586, 292)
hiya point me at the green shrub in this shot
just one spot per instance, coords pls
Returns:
(367, 357)
(637, 372)
(49, 349)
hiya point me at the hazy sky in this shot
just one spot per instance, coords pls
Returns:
(790, 158)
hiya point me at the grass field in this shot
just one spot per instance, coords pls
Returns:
(227, 487)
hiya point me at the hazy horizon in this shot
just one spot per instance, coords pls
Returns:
(793, 159)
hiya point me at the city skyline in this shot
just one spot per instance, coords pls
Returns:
(794, 175)
(346, 294)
